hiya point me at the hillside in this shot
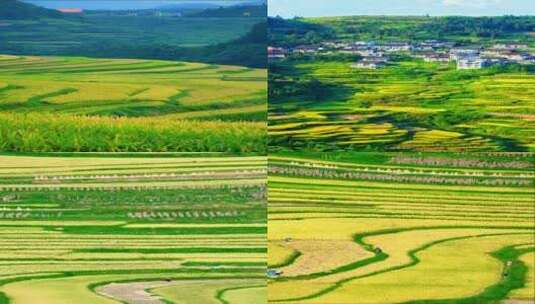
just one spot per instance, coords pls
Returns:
(204, 39)
(16, 10)
(130, 105)
(234, 11)
(418, 96)
(253, 44)
(462, 29)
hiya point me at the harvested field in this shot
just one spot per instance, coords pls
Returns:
(388, 228)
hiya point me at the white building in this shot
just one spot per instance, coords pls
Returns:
(396, 47)
(470, 63)
(370, 63)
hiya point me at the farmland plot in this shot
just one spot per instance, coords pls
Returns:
(388, 228)
(409, 105)
(79, 104)
(97, 229)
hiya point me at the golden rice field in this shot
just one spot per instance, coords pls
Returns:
(121, 103)
(385, 228)
(408, 106)
(95, 229)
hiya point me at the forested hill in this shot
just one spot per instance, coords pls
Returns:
(27, 29)
(249, 50)
(16, 10)
(234, 11)
(313, 30)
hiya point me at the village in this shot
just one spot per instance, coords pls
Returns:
(377, 55)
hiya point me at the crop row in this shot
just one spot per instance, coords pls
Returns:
(154, 176)
(346, 174)
(447, 171)
(125, 187)
(462, 162)
(186, 214)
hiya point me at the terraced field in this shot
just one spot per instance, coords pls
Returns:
(408, 106)
(385, 228)
(142, 229)
(83, 104)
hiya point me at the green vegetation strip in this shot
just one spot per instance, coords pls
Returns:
(118, 230)
(216, 264)
(175, 250)
(288, 261)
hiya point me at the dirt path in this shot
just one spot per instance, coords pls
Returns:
(134, 292)
(519, 302)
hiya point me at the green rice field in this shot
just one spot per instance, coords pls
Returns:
(141, 229)
(76, 104)
(410, 105)
(412, 228)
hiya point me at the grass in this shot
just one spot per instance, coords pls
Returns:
(126, 105)
(62, 242)
(420, 242)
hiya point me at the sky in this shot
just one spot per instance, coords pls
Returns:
(121, 4)
(323, 8)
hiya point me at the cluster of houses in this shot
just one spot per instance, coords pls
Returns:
(376, 55)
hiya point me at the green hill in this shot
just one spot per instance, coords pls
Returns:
(17, 10)
(234, 11)
(32, 30)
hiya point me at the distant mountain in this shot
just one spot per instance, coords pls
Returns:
(16, 10)
(240, 10)
(188, 6)
(252, 3)
(249, 50)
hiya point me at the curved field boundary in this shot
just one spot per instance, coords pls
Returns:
(307, 187)
(221, 293)
(162, 273)
(499, 291)
(360, 239)
(289, 260)
(376, 258)
(143, 290)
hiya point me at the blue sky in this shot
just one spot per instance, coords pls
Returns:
(121, 4)
(318, 8)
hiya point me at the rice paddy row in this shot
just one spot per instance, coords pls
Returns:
(84, 104)
(97, 229)
(408, 106)
(413, 228)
